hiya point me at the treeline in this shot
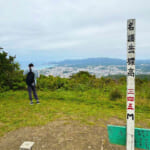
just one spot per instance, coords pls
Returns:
(79, 81)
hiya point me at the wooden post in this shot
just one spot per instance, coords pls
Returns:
(130, 84)
(128, 135)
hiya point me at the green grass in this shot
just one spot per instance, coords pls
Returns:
(87, 107)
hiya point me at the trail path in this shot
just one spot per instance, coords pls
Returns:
(62, 135)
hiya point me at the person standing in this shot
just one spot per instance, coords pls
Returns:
(31, 82)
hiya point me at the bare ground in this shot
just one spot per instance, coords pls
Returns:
(63, 135)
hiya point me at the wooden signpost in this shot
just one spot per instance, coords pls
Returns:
(130, 136)
(130, 83)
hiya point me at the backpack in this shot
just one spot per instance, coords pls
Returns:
(30, 78)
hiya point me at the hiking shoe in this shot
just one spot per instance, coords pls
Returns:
(38, 102)
(31, 103)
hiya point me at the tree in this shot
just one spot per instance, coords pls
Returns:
(10, 73)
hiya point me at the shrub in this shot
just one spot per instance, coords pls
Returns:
(115, 94)
(50, 82)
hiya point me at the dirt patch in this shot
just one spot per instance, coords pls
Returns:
(61, 135)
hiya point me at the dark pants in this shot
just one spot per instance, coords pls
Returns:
(30, 89)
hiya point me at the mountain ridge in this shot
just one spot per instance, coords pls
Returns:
(97, 61)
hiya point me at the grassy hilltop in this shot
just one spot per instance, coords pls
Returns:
(83, 103)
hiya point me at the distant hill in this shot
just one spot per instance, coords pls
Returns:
(97, 62)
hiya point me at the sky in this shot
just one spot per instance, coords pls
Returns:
(54, 30)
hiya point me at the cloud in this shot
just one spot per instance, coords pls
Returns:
(80, 28)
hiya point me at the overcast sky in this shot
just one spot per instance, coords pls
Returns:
(69, 29)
